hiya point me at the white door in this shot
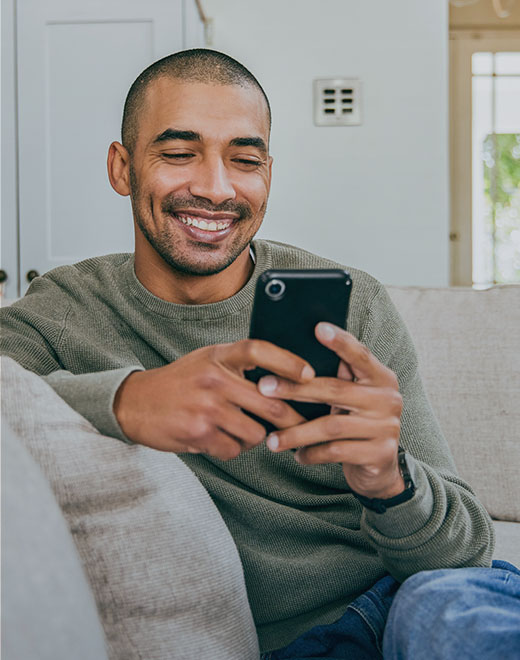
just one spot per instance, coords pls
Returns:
(76, 62)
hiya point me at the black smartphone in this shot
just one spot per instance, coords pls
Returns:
(287, 307)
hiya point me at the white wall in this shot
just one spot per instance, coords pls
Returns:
(373, 196)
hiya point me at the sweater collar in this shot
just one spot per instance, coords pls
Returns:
(241, 300)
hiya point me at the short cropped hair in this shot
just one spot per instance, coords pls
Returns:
(197, 65)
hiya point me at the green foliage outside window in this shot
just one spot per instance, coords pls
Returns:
(501, 155)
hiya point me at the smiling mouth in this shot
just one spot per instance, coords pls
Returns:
(203, 223)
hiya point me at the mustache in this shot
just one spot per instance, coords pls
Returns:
(172, 204)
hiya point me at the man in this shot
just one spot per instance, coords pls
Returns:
(152, 349)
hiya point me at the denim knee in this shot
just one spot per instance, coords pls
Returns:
(455, 613)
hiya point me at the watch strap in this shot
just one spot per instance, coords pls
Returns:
(380, 505)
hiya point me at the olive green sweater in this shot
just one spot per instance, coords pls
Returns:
(307, 546)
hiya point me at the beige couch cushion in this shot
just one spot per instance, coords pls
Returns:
(469, 351)
(164, 569)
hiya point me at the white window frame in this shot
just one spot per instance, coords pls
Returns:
(463, 43)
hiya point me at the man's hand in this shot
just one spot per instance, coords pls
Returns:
(194, 404)
(362, 431)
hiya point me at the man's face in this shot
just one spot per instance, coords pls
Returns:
(200, 172)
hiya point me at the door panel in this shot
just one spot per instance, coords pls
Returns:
(76, 62)
(9, 203)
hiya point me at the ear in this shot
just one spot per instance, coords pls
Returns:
(118, 165)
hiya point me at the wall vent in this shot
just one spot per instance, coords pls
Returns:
(337, 102)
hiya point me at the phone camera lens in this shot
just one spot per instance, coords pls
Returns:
(275, 289)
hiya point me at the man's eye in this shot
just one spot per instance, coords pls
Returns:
(248, 162)
(178, 156)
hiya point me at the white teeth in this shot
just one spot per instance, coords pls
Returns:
(202, 224)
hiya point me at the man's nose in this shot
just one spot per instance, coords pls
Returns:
(211, 181)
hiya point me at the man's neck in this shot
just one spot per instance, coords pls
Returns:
(173, 286)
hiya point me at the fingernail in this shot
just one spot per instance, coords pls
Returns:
(273, 442)
(297, 457)
(268, 384)
(326, 331)
(307, 372)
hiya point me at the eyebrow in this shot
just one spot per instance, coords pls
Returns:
(173, 134)
(192, 136)
(249, 142)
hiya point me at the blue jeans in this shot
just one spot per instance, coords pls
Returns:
(461, 614)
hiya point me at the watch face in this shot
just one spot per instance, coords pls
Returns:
(405, 472)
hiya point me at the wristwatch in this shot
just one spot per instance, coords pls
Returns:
(380, 505)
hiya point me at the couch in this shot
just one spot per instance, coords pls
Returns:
(117, 551)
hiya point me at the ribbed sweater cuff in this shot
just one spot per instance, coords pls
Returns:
(92, 395)
(409, 517)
